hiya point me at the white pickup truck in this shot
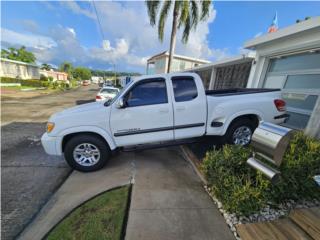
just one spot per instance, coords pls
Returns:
(160, 109)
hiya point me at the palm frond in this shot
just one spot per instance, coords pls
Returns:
(205, 8)
(163, 17)
(194, 13)
(186, 30)
(152, 7)
(184, 13)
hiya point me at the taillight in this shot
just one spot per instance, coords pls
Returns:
(280, 105)
(98, 97)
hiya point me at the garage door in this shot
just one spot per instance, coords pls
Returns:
(299, 77)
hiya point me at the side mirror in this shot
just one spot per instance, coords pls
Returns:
(120, 103)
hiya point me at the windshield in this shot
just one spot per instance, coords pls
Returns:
(109, 91)
(110, 101)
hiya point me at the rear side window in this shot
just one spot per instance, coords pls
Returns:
(147, 93)
(184, 89)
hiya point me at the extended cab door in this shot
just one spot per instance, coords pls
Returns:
(190, 106)
(147, 115)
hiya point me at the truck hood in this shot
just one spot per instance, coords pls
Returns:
(79, 109)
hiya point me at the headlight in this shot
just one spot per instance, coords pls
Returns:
(50, 127)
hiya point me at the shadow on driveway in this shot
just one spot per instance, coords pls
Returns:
(29, 176)
(79, 102)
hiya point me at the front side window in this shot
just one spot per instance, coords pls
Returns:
(184, 89)
(147, 93)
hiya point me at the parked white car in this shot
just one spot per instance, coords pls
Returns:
(107, 93)
(158, 110)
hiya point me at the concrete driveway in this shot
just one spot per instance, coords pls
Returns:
(29, 177)
(168, 200)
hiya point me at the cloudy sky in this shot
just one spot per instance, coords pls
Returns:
(68, 31)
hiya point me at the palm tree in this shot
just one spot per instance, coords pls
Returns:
(46, 66)
(186, 14)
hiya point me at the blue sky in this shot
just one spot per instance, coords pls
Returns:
(59, 31)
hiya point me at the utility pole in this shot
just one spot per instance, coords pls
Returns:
(313, 127)
(115, 74)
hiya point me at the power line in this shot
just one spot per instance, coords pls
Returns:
(99, 22)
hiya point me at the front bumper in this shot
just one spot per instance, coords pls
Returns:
(50, 144)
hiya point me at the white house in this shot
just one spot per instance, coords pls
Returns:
(159, 63)
(17, 69)
(290, 59)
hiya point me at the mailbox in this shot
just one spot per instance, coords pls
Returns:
(269, 142)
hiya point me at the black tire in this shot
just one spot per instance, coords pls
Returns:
(97, 142)
(242, 122)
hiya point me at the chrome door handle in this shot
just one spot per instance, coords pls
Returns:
(181, 108)
(164, 110)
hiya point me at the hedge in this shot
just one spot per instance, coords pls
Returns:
(27, 82)
(46, 82)
(244, 191)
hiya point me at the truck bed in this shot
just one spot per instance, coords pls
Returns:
(238, 91)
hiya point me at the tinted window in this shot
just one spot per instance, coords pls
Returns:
(147, 93)
(184, 89)
(109, 91)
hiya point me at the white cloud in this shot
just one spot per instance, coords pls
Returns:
(110, 54)
(28, 40)
(30, 25)
(72, 31)
(74, 7)
(258, 34)
(129, 38)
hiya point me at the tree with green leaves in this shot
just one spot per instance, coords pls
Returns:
(46, 66)
(81, 73)
(67, 67)
(20, 54)
(186, 15)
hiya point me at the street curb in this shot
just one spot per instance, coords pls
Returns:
(194, 161)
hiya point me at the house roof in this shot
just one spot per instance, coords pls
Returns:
(302, 26)
(53, 71)
(18, 62)
(166, 53)
(250, 56)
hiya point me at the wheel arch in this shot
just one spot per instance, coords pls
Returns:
(94, 131)
(255, 118)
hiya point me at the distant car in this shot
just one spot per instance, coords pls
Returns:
(107, 84)
(107, 93)
(86, 83)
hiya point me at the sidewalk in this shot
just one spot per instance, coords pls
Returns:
(169, 202)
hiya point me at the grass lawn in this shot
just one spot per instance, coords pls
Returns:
(100, 218)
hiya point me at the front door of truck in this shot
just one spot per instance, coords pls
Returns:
(147, 115)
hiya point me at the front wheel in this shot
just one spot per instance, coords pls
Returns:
(240, 132)
(86, 153)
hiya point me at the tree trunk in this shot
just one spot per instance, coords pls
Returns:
(173, 37)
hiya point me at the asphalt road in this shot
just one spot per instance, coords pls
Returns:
(29, 177)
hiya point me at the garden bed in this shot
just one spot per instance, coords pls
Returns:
(245, 196)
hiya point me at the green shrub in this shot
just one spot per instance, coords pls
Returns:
(45, 84)
(235, 184)
(43, 77)
(301, 162)
(10, 80)
(54, 85)
(24, 82)
(31, 83)
(243, 190)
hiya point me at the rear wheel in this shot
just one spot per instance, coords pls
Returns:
(86, 153)
(240, 132)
